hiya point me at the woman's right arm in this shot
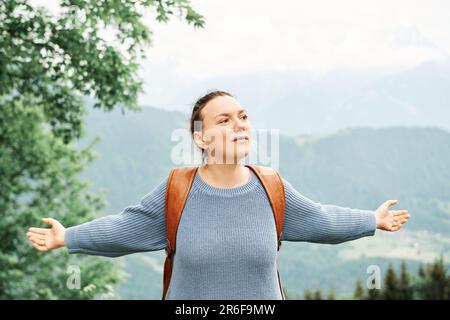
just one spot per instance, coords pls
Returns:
(136, 229)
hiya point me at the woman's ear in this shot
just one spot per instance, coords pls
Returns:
(199, 140)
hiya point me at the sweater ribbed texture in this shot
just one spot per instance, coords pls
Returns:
(226, 239)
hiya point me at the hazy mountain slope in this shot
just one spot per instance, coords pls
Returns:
(359, 168)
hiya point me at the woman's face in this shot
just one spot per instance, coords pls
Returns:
(225, 131)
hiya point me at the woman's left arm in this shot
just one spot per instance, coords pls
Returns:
(306, 220)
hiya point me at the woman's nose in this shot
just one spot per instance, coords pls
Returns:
(239, 125)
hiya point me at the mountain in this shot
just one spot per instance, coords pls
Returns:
(357, 167)
(364, 166)
(344, 98)
(255, 90)
(134, 151)
(303, 102)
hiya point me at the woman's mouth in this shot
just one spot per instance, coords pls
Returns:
(245, 138)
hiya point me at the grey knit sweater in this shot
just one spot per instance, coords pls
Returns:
(226, 240)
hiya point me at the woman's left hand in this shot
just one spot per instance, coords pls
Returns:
(390, 220)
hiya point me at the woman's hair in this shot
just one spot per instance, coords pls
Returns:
(200, 104)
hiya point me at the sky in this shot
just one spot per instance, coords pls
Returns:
(288, 36)
(242, 36)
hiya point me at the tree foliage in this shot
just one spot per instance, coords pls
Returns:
(431, 283)
(48, 63)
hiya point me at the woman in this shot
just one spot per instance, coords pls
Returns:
(226, 235)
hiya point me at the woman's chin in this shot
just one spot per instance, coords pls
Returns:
(242, 154)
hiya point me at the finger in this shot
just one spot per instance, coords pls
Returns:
(395, 228)
(49, 221)
(38, 241)
(398, 215)
(36, 236)
(37, 230)
(391, 202)
(402, 218)
(401, 212)
(39, 247)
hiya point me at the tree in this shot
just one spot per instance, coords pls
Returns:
(436, 285)
(331, 294)
(431, 282)
(374, 294)
(308, 295)
(391, 285)
(421, 272)
(48, 63)
(318, 294)
(359, 290)
(405, 286)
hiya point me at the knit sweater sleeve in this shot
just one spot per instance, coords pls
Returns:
(137, 228)
(306, 220)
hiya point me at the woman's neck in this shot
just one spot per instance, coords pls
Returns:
(224, 175)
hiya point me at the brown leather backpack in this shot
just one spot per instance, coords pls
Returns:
(178, 186)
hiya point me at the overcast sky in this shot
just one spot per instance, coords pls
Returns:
(243, 36)
(250, 35)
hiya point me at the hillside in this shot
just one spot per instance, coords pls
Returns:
(356, 167)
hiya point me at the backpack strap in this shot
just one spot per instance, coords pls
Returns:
(178, 186)
(273, 184)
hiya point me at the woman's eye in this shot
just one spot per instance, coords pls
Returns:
(223, 121)
(244, 117)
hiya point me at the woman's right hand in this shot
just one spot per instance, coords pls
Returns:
(44, 239)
